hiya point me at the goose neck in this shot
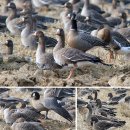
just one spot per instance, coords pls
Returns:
(60, 44)
(41, 44)
(95, 95)
(27, 30)
(86, 3)
(114, 4)
(74, 25)
(12, 15)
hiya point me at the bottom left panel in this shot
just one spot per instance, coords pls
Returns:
(37, 109)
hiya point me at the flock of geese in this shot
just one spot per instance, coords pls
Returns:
(101, 114)
(19, 114)
(85, 25)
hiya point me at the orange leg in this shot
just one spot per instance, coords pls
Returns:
(72, 71)
(111, 56)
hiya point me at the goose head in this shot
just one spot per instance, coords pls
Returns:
(9, 44)
(35, 95)
(110, 95)
(68, 5)
(11, 5)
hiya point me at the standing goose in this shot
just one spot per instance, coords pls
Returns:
(77, 5)
(82, 27)
(27, 38)
(12, 22)
(118, 44)
(64, 56)
(80, 40)
(59, 93)
(94, 15)
(22, 124)
(44, 60)
(50, 103)
(92, 7)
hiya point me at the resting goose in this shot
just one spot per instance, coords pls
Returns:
(104, 125)
(22, 124)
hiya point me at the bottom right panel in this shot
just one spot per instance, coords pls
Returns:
(103, 109)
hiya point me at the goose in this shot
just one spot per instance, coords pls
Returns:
(104, 125)
(41, 3)
(118, 22)
(80, 40)
(93, 15)
(28, 38)
(11, 114)
(64, 56)
(20, 3)
(44, 60)
(118, 44)
(82, 27)
(116, 98)
(88, 5)
(120, 90)
(12, 22)
(77, 5)
(49, 103)
(22, 124)
(102, 110)
(90, 115)
(9, 44)
(3, 90)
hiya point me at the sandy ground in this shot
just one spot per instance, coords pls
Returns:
(15, 71)
(122, 109)
(56, 122)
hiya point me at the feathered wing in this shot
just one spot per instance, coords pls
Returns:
(52, 104)
(91, 40)
(76, 55)
(50, 42)
(119, 39)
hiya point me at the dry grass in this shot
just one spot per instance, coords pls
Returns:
(122, 109)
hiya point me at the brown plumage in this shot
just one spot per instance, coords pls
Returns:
(64, 56)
